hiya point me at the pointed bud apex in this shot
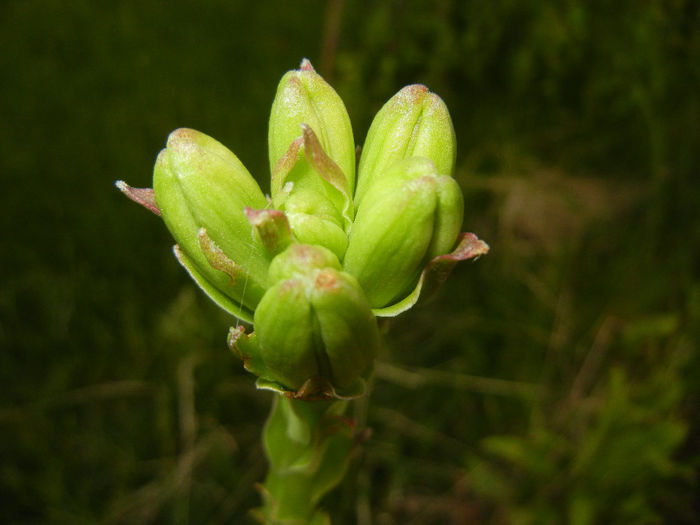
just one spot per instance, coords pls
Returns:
(413, 123)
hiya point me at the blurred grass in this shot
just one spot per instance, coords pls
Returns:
(553, 381)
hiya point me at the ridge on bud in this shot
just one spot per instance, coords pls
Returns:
(413, 123)
(315, 335)
(200, 184)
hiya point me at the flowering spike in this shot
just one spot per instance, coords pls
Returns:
(312, 265)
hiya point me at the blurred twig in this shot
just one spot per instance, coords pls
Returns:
(99, 392)
(188, 429)
(591, 364)
(411, 427)
(143, 505)
(417, 377)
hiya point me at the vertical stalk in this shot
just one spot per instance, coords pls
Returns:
(308, 445)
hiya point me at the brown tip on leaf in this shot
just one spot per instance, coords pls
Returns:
(469, 246)
(306, 65)
(285, 164)
(234, 333)
(321, 162)
(142, 196)
(313, 389)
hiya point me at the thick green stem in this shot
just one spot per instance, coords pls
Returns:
(308, 445)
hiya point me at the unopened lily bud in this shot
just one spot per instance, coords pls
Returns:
(413, 123)
(315, 335)
(311, 189)
(303, 97)
(314, 220)
(201, 190)
(411, 215)
(301, 259)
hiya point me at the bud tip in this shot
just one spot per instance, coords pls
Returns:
(306, 65)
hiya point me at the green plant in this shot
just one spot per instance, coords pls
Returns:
(313, 265)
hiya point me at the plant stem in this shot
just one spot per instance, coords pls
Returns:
(308, 445)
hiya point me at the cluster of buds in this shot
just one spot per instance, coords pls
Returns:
(314, 264)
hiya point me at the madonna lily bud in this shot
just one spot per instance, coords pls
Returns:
(413, 123)
(314, 193)
(303, 97)
(301, 259)
(412, 215)
(315, 335)
(201, 190)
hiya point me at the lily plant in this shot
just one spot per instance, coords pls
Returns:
(335, 245)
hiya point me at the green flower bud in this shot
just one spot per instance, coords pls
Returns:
(310, 188)
(413, 123)
(412, 215)
(303, 97)
(201, 190)
(315, 335)
(301, 259)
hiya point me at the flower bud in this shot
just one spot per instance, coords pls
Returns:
(201, 190)
(315, 335)
(301, 259)
(413, 123)
(303, 97)
(412, 215)
(310, 188)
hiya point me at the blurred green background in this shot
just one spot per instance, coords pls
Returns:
(553, 381)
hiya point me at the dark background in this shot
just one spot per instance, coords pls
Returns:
(553, 381)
